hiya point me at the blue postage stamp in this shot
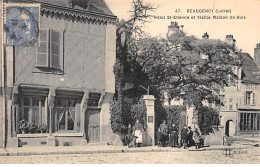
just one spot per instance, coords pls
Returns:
(22, 24)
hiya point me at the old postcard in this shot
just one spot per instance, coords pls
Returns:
(130, 82)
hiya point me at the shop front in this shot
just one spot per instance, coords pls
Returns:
(248, 122)
(55, 116)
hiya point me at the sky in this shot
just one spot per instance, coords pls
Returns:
(245, 31)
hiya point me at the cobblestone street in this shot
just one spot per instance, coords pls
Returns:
(251, 156)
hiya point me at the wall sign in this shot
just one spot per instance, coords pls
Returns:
(195, 119)
(150, 119)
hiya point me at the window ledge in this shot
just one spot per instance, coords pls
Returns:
(48, 70)
(39, 135)
(36, 135)
(75, 134)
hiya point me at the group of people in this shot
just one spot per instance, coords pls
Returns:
(134, 135)
(190, 138)
(165, 135)
(170, 133)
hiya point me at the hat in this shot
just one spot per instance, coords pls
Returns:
(189, 127)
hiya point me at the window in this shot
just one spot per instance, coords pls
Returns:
(222, 97)
(249, 98)
(230, 107)
(230, 100)
(249, 121)
(49, 53)
(32, 109)
(66, 114)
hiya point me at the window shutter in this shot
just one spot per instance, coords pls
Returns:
(42, 50)
(253, 98)
(55, 49)
(245, 99)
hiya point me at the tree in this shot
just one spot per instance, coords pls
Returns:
(176, 66)
(191, 69)
(126, 69)
(208, 119)
(184, 67)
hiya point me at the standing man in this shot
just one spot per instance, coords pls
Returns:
(184, 135)
(190, 137)
(173, 135)
(162, 133)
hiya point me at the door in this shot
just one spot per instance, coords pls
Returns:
(93, 125)
(227, 128)
(230, 128)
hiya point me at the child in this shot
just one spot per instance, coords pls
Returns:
(197, 138)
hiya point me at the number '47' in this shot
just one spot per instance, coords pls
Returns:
(177, 11)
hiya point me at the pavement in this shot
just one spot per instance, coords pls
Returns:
(96, 149)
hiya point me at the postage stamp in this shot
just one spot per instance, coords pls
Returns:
(22, 24)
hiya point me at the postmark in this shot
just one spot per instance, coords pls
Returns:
(22, 24)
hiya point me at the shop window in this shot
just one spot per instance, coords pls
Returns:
(249, 121)
(66, 114)
(32, 110)
(50, 52)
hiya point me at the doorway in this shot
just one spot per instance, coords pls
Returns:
(230, 128)
(93, 125)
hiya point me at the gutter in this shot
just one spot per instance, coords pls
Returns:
(3, 74)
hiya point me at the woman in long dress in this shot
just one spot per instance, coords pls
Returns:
(197, 138)
(138, 132)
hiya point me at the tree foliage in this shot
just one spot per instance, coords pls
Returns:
(138, 111)
(208, 119)
(187, 68)
(127, 70)
(191, 69)
(174, 114)
(184, 67)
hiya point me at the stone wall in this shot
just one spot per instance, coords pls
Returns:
(84, 57)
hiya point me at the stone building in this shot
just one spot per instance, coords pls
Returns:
(66, 84)
(240, 114)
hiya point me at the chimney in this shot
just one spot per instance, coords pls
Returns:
(205, 36)
(173, 28)
(257, 54)
(82, 3)
(230, 40)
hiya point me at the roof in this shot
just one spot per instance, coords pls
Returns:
(249, 69)
(96, 6)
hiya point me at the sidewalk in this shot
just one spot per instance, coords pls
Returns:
(22, 151)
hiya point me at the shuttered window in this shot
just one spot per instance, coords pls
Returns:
(49, 53)
(42, 50)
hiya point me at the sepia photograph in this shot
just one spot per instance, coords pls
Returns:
(129, 82)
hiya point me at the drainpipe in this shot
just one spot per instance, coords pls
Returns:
(3, 75)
